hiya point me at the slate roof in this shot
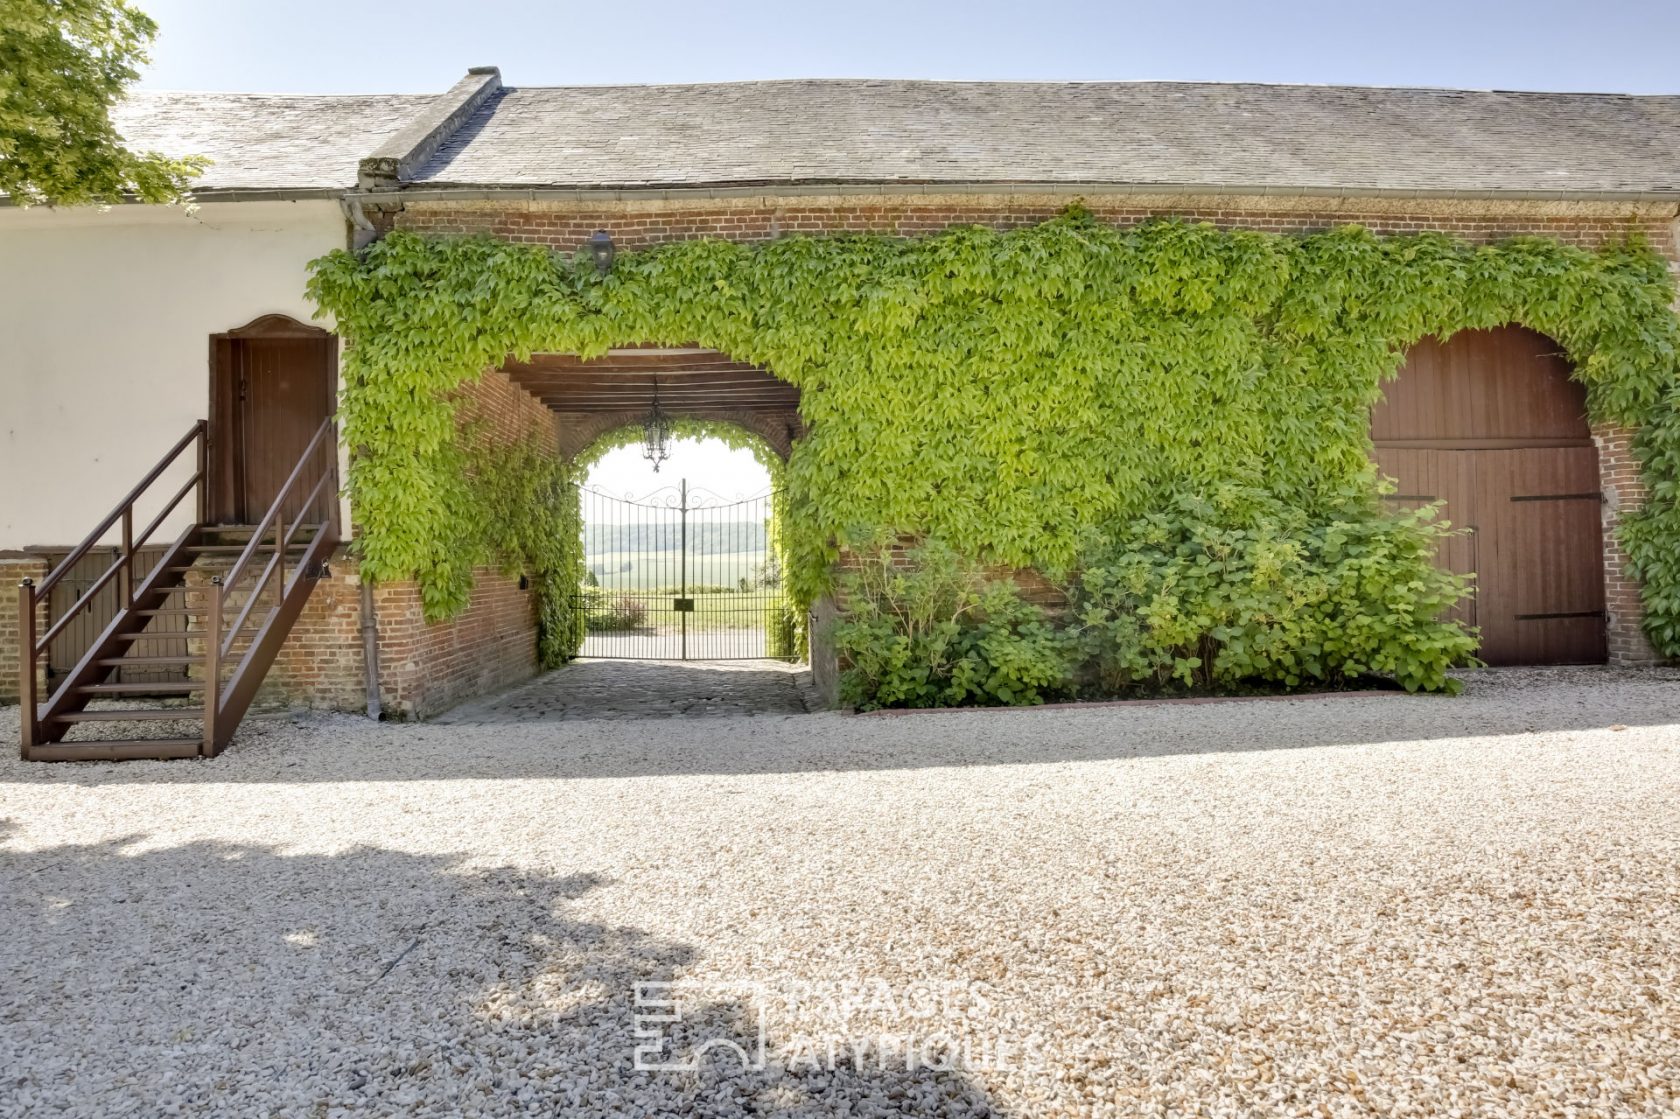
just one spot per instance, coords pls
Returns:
(1268, 137)
(265, 141)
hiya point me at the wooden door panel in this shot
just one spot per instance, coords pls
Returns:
(1493, 422)
(1424, 477)
(1545, 601)
(1505, 385)
(285, 401)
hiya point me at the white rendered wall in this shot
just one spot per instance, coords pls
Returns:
(105, 320)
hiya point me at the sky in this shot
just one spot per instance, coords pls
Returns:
(424, 46)
(371, 46)
(729, 475)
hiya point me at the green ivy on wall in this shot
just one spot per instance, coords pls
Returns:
(1008, 393)
(513, 504)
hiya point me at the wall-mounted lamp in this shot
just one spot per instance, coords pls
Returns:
(601, 248)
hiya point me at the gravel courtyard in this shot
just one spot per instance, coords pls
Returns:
(1336, 906)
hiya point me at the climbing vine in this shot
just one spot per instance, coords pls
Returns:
(511, 503)
(1009, 393)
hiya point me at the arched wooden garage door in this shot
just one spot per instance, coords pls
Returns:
(1491, 422)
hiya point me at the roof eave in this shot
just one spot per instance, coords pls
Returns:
(222, 194)
(440, 192)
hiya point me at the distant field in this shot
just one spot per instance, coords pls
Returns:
(650, 570)
(711, 611)
(721, 625)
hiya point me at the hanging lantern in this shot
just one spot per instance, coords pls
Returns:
(602, 249)
(656, 433)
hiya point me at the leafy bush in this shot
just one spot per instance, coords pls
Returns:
(603, 611)
(927, 628)
(1243, 590)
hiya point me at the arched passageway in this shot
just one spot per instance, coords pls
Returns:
(1492, 423)
(681, 564)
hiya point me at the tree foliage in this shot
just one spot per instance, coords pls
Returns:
(1007, 393)
(63, 63)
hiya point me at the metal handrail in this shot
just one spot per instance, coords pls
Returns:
(314, 496)
(30, 594)
(222, 704)
(222, 644)
(238, 567)
(126, 505)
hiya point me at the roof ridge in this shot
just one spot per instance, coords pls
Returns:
(1000, 82)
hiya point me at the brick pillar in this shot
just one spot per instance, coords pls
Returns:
(1624, 492)
(15, 567)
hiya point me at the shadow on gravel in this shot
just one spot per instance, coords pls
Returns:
(1504, 703)
(230, 978)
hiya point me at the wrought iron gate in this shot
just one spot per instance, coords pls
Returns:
(682, 574)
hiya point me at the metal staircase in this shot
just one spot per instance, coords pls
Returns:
(239, 588)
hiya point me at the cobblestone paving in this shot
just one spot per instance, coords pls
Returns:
(623, 689)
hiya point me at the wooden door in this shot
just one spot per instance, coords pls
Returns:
(1492, 424)
(272, 386)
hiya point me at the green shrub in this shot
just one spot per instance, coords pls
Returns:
(561, 623)
(605, 611)
(929, 628)
(1244, 591)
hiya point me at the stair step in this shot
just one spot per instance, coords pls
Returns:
(124, 749)
(135, 662)
(230, 611)
(141, 689)
(177, 636)
(244, 531)
(151, 714)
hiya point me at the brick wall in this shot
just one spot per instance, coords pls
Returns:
(1624, 491)
(426, 668)
(14, 569)
(638, 224)
(322, 665)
